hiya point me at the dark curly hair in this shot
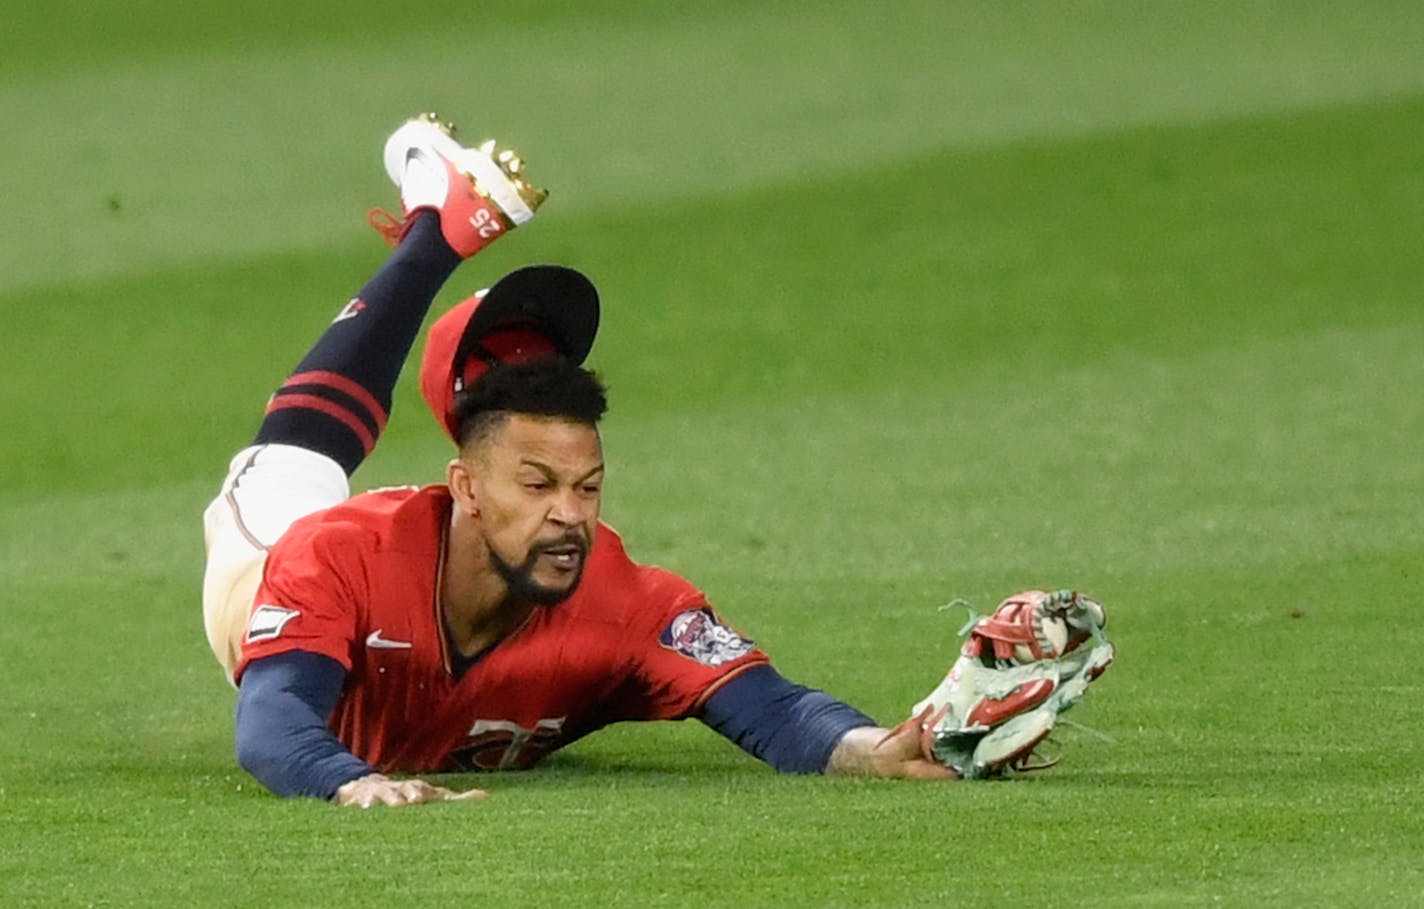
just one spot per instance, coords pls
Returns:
(551, 387)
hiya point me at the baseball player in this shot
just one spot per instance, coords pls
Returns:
(484, 622)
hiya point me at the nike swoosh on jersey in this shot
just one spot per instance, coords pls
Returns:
(375, 640)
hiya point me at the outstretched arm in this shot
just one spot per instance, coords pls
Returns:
(800, 730)
(284, 742)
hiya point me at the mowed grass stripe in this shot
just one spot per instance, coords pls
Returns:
(191, 152)
(1212, 468)
(592, 833)
(971, 263)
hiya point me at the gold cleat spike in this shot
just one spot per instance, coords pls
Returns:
(445, 126)
(508, 161)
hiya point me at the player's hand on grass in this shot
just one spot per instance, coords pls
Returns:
(892, 753)
(379, 789)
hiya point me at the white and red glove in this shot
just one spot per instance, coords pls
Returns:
(1018, 669)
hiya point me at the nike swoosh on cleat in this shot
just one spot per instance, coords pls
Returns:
(377, 642)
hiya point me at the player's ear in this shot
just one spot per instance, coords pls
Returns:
(461, 480)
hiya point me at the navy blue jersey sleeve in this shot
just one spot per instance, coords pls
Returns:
(281, 732)
(789, 726)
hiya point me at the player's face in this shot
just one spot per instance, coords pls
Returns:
(539, 484)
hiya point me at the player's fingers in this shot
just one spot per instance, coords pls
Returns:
(925, 770)
(900, 744)
(420, 791)
(414, 792)
(408, 792)
(900, 752)
(441, 794)
(467, 795)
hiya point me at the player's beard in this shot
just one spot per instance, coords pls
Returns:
(520, 578)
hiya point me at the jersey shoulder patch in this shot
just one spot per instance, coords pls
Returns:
(699, 635)
(267, 622)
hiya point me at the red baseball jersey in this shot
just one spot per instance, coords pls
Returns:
(359, 582)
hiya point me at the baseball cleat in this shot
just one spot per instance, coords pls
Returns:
(479, 193)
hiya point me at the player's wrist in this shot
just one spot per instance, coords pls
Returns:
(854, 754)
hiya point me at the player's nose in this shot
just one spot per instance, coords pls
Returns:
(567, 509)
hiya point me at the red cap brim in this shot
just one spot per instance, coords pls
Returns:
(506, 323)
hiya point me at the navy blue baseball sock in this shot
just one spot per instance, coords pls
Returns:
(337, 400)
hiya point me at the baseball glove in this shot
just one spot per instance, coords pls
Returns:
(1018, 669)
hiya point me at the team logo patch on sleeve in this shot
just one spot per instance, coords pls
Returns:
(267, 621)
(699, 635)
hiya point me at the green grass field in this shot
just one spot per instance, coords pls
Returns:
(903, 302)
